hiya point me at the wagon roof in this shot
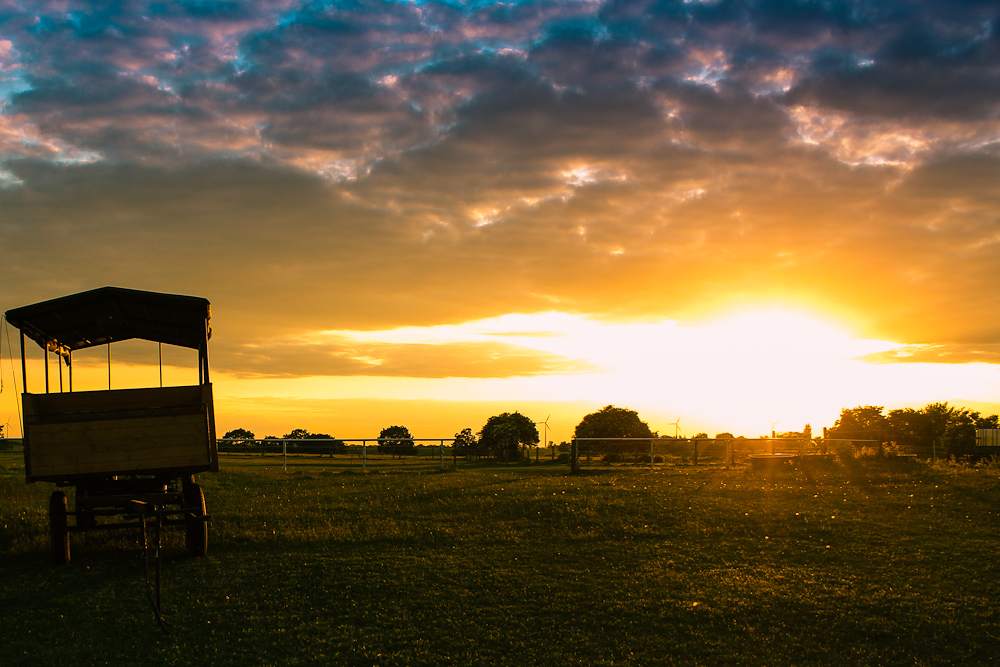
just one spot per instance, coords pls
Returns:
(110, 314)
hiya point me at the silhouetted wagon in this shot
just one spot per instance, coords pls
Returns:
(127, 452)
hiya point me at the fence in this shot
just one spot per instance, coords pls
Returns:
(335, 446)
(11, 444)
(364, 452)
(693, 451)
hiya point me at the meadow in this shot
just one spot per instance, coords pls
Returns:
(861, 564)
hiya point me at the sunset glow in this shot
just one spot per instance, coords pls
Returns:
(732, 213)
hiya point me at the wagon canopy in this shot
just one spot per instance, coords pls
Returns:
(111, 314)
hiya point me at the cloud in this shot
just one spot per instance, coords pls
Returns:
(311, 167)
(344, 357)
(938, 354)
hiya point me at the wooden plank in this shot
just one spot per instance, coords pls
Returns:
(153, 428)
(67, 469)
(115, 462)
(121, 431)
(115, 446)
(116, 399)
(51, 455)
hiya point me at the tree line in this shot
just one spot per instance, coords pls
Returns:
(935, 427)
(508, 436)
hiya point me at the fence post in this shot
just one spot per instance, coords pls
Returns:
(696, 451)
(284, 454)
(364, 455)
(442, 454)
(574, 453)
(650, 452)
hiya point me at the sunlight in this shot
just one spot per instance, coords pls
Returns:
(738, 372)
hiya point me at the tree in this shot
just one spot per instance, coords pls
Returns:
(503, 435)
(726, 435)
(918, 431)
(961, 429)
(331, 448)
(860, 423)
(612, 422)
(465, 443)
(240, 437)
(296, 434)
(396, 440)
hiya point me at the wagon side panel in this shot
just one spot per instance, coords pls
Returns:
(134, 431)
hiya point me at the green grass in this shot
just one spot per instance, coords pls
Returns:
(516, 565)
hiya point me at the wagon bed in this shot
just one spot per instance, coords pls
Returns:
(161, 430)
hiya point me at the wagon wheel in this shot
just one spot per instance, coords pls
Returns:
(59, 528)
(194, 520)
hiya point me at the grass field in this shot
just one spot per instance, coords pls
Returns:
(519, 565)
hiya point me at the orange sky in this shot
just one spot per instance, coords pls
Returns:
(430, 213)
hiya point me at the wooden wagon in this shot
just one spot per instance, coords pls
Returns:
(124, 451)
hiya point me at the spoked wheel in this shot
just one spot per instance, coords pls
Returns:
(195, 523)
(59, 527)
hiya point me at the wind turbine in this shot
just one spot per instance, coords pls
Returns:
(677, 429)
(545, 430)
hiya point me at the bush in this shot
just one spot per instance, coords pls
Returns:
(845, 452)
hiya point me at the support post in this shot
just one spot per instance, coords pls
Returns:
(442, 454)
(24, 368)
(574, 453)
(696, 451)
(284, 454)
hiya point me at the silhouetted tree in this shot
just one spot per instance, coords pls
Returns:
(396, 440)
(331, 445)
(860, 423)
(465, 443)
(503, 435)
(612, 422)
(240, 437)
(917, 431)
(961, 429)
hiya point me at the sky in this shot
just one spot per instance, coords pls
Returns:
(736, 214)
